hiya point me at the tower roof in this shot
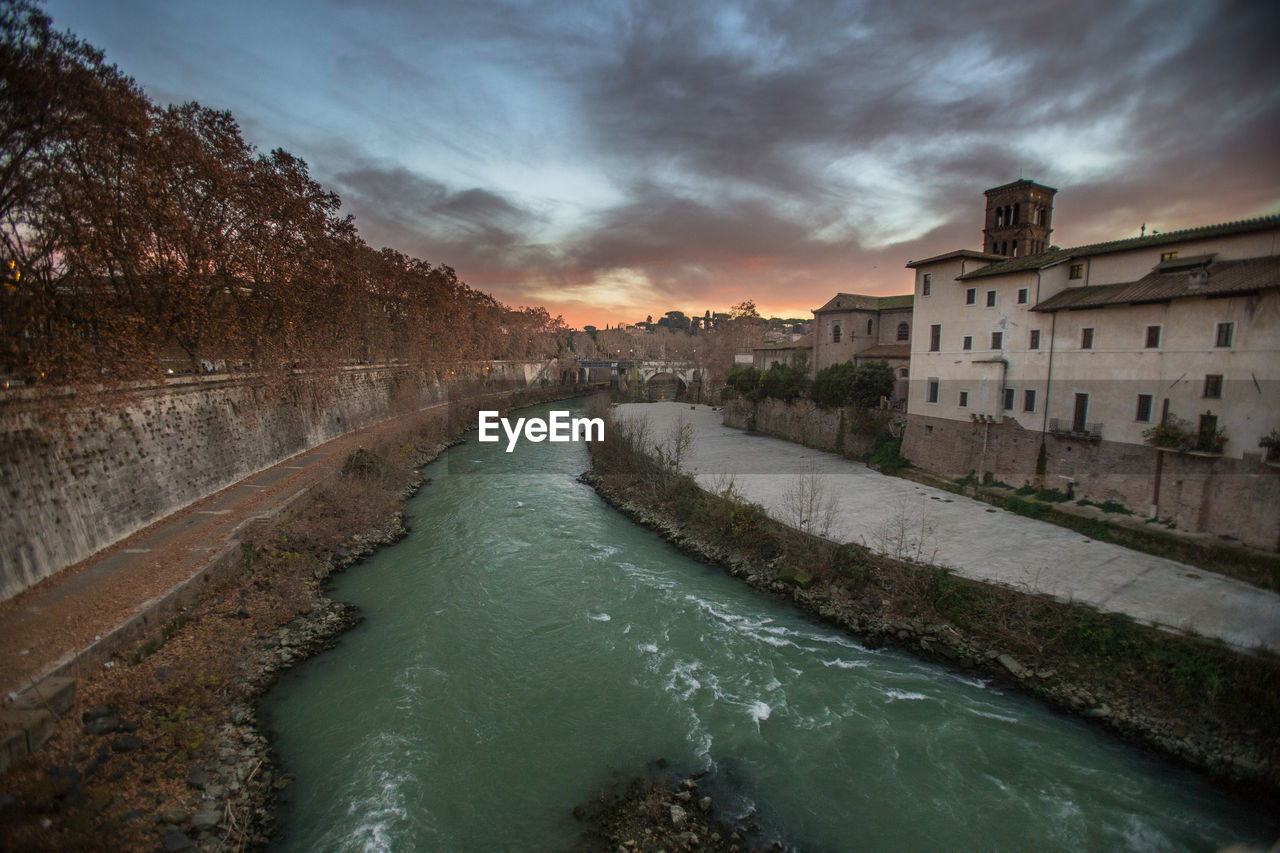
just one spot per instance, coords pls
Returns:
(1021, 182)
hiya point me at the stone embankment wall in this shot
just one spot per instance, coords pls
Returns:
(1227, 497)
(845, 430)
(77, 478)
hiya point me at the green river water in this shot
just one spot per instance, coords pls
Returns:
(526, 645)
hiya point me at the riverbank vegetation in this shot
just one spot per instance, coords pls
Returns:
(162, 745)
(1199, 700)
(138, 239)
(861, 386)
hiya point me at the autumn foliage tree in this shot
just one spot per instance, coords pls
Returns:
(137, 237)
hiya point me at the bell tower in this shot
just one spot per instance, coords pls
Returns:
(1019, 219)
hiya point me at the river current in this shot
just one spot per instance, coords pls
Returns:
(526, 645)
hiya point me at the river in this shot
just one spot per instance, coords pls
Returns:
(526, 645)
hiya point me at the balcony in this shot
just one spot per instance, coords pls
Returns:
(1066, 428)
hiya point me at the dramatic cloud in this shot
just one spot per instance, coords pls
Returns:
(632, 158)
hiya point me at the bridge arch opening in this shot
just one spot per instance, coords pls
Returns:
(665, 386)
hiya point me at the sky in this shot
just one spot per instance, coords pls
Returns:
(614, 160)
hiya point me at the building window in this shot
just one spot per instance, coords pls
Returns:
(902, 373)
(904, 332)
(1226, 332)
(1022, 296)
(997, 340)
(926, 284)
(933, 391)
(968, 342)
(1168, 256)
(1015, 248)
(964, 399)
(869, 326)
(1209, 433)
(835, 334)
(1213, 385)
(1008, 399)
(1153, 337)
(1029, 400)
(935, 337)
(1086, 339)
(1144, 408)
(1080, 417)
(971, 296)
(1034, 343)
(1077, 271)
(991, 299)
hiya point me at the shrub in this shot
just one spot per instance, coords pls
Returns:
(1031, 509)
(888, 458)
(831, 385)
(1173, 433)
(743, 378)
(784, 382)
(364, 464)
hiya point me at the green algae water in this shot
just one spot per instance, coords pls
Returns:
(526, 646)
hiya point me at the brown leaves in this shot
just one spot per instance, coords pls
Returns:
(145, 238)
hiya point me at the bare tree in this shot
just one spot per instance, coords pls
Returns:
(807, 505)
(909, 534)
(672, 452)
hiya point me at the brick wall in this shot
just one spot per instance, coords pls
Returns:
(78, 479)
(1209, 494)
(807, 423)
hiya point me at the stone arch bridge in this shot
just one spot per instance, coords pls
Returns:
(638, 376)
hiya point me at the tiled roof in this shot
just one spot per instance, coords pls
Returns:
(1056, 256)
(802, 342)
(860, 302)
(1213, 279)
(905, 300)
(886, 351)
(958, 253)
(850, 302)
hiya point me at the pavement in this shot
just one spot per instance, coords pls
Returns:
(902, 518)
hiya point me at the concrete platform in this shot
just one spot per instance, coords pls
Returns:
(976, 540)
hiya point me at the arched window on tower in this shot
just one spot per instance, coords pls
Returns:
(904, 332)
(835, 334)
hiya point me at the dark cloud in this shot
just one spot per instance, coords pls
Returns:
(755, 148)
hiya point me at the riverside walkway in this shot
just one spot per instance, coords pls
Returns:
(61, 617)
(892, 515)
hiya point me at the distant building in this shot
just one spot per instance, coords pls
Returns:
(861, 329)
(764, 357)
(1051, 367)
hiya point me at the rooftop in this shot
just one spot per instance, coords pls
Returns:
(885, 351)
(1018, 183)
(1223, 278)
(905, 300)
(862, 302)
(958, 253)
(1057, 256)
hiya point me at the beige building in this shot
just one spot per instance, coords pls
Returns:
(857, 328)
(766, 356)
(1048, 368)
